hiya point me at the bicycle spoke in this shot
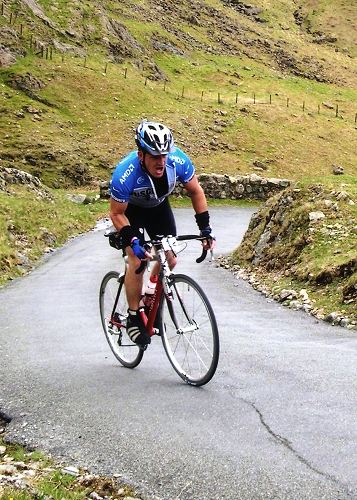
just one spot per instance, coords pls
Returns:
(190, 333)
(113, 309)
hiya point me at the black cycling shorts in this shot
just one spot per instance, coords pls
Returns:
(156, 221)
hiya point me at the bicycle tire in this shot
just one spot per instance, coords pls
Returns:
(189, 331)
(126, 351)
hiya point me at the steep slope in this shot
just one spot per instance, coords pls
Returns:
(241, 84)
(306, 239)
(280, 36)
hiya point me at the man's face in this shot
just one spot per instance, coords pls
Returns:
(155, 165)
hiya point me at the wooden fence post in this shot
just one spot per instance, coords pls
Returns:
(201, 95)
(356, 118)
(318, 109)
(105, 68)
(270, 99)
(303, 106)
(62, 57)
(336, 110)
(219, 98)
(146, 79)
(125, 72)
(236, 97)
(164, 86)
(183, 91)
(254, 98)
(287, 102)
(2, 8)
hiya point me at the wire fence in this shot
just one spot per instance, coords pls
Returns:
(47, 51)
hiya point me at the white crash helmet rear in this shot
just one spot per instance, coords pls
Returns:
(154, 138)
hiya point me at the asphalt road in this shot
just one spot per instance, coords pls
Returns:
(278, 420)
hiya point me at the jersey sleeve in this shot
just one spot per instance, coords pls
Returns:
(119, 192)
(184, 167)
(122, 180)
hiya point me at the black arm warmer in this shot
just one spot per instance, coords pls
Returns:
(202, 220)
(126, 234)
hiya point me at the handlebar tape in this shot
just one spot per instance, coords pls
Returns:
(202, 257)
(183, 237)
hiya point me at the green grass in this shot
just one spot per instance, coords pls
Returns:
(56, 484)
(96, 113)
(320, 256)
(20, 454)
(49, 479)
(50, 224)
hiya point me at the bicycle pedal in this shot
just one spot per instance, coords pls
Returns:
(157, 331)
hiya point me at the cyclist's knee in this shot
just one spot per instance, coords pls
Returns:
(133, 264)
(171, 260)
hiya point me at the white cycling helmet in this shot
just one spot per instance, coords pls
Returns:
(154, 138)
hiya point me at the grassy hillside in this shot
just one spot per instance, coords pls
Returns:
(305, 238)
(278, 89)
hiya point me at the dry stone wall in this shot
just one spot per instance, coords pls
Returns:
(228, 187)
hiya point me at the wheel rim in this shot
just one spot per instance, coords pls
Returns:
(115, 327)
(192, 348)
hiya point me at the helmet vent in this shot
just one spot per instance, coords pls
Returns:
(154, 138)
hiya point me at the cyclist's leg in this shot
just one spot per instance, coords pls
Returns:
(160, 220)
(134, 282)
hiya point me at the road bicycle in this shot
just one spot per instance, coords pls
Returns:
(180, 313)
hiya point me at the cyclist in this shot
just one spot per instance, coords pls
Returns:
(139, 189)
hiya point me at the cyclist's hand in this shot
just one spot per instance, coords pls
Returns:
(139, 251)
(210, 241)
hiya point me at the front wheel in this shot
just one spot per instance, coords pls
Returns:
(189, 331)
(114, 312)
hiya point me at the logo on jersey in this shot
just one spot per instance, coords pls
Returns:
(147, 193)
(177, 159)
(126, 174)
(140, 180)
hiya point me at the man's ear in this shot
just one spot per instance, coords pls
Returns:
(140, 155)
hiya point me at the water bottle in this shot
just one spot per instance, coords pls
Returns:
(150, 291)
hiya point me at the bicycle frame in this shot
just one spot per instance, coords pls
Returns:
(149, 319)
(161, 246)
(164, 272)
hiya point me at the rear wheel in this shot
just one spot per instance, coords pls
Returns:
(189, 331)
(114, 312)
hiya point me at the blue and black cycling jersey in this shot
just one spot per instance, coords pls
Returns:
(131, 183)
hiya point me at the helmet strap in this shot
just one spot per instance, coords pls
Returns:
(142, 161)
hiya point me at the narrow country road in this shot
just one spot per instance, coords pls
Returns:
(278, 420)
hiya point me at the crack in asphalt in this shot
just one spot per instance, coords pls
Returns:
(285, 442)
